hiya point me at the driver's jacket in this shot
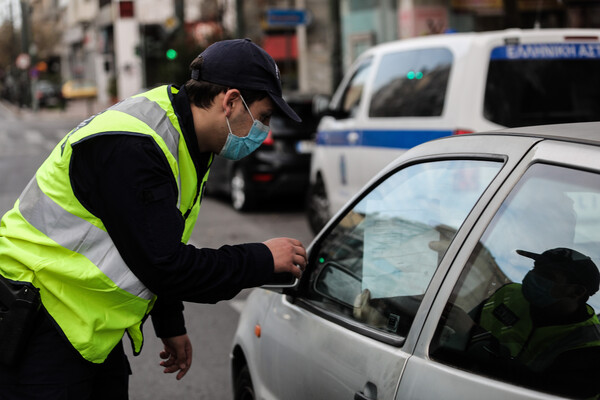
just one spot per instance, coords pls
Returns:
(51, 240)
(506, 316)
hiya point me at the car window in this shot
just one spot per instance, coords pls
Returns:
(543, 84)
(376, 263)
(411, 83)
(520, 311)
(354, 89)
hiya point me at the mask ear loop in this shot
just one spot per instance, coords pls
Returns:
(247, 108)
(228, 126)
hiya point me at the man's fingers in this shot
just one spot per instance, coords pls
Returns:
(289, 255)
(177, 355)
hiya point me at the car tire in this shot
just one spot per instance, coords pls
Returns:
(317, 206)
(243, 389)
(242, 198)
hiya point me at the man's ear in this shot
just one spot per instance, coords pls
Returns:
(229, 100)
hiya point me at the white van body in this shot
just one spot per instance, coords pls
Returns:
(442, 84)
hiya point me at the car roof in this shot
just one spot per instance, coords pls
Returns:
(580, 132)
(561, 34)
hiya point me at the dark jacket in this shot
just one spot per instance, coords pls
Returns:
(126, 182)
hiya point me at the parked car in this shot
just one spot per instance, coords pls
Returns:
(48, 94)
(403, 93)
(278, 169)
(393, 281)
(79, 89)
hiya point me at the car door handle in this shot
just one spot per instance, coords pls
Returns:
(369, 392)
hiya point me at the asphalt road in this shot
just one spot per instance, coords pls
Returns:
(25, 141)
(211, 327)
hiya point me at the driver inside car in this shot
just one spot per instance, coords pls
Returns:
(541, 330)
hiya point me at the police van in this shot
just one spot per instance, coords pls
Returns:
(403, 93)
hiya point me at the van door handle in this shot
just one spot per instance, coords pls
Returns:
(352, 137)
(369, 392)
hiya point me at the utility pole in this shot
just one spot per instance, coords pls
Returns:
(25, 89)
(336, 51)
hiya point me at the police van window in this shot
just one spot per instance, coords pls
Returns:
(411, 83)
(543, 84)
(376, 264)
(354, 89)
(524, 308)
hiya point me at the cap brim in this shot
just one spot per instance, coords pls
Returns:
(285, 108)
(528, 254)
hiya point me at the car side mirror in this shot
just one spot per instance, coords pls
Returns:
(320, 104)
(338, 283)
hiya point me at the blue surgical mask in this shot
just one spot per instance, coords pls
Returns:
(236, 147)
(537, 290)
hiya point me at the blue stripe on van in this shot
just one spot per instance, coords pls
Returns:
(402, 139)
(546, 51)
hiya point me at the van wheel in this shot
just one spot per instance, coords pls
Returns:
(242, 199)
(243, 389)
(317, 206)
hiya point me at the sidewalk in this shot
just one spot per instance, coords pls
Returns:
(75, 110)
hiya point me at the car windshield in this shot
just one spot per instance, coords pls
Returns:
(543, 84)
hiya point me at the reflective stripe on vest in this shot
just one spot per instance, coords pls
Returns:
(68, 229)
(155, 117)
(53, 241)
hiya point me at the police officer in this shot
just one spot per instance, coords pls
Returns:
(101, 230)
(544, 327)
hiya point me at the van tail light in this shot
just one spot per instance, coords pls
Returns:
(462, 131)
(262, 177)
(269, 140)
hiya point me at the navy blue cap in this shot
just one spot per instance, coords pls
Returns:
(241, 64)
(575, 265)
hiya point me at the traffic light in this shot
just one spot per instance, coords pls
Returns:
(171, 54)
(414, 75)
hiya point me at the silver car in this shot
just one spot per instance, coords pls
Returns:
(466, 269)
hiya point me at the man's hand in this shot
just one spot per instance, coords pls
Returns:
(289, 255)
(177, 355)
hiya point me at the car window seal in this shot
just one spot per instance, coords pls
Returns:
(392, 340)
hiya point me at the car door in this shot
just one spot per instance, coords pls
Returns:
(339, 137)
(351, 326)
(551, 201)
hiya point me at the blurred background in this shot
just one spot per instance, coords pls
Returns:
(101, 51)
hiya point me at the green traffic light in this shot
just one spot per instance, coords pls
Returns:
(414, 75)
(171, 54)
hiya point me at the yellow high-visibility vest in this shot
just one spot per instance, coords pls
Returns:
(52, 241)
(506, 316)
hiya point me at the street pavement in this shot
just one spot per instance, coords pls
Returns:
(75, 110)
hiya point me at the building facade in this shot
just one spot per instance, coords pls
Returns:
(126, 46)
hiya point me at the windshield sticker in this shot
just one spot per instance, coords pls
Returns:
(546, 51)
